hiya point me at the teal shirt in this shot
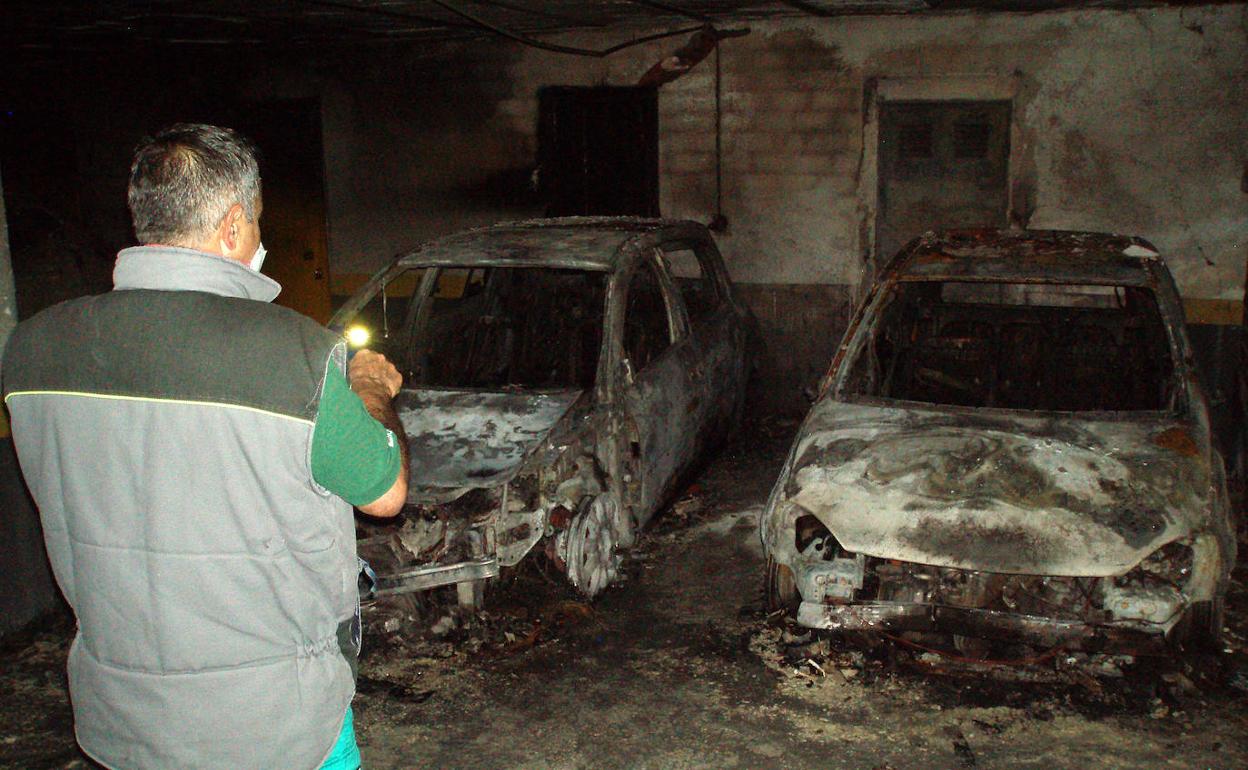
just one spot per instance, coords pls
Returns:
(353, 455)
(346, 752)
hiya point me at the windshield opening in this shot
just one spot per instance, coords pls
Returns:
(493, 328)
(1046, 347)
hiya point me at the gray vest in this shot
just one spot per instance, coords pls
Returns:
(165, 431)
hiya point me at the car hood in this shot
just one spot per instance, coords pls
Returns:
(1000, 492)
(467, 439)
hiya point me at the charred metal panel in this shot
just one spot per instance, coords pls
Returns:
(1049, 256)
(661, 401)
(466, 439)
(1055, 495)
(566, 246)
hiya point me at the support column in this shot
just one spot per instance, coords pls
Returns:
(8, 297)
(29, 591)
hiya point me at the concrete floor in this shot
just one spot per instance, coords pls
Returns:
(678, 667)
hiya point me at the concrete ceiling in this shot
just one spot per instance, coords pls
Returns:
(108, 24)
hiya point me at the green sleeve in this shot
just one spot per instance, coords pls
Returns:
(353, 455)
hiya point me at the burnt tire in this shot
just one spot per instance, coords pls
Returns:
(780, 589)
(1201, 626)
(590, 547)
(1206, 623)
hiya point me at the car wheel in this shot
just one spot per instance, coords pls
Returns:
(1201, 625)
(588, 547)
(781, 589)
(1207, 620)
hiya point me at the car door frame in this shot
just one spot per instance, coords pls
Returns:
(645, 479)
(720, 341)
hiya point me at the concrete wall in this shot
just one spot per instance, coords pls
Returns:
(27, 590)
(1130, 121)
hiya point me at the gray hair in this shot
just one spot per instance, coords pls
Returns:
(184, 180)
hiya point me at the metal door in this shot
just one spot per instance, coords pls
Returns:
(942, 165)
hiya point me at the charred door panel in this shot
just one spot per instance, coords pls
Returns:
(660, 403)
(717, 375)
(720, 342)
(942, 165)
(660, 399)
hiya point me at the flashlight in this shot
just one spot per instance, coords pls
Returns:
(357, 336)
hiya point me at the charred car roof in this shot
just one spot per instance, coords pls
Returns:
(587, 243)
(1026, 256)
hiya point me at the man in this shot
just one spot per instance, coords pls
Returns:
(195, 453)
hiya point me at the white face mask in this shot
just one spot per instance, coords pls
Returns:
(258, 258)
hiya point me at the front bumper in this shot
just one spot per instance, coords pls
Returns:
(988, 624)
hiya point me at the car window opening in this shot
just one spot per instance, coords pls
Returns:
(647, 332)
(508, 327)
(1047, 347)
(696, 287)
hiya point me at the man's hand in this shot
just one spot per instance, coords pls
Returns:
(370, 371)
(377, 382)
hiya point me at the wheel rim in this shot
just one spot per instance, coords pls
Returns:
(591, 558)
(781, 588)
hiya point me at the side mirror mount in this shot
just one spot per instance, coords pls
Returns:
(626, 371)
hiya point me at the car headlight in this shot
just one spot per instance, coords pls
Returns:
(1153, 592)
(1170, 565)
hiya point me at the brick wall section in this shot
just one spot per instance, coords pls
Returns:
(799, 328)
(791, 126)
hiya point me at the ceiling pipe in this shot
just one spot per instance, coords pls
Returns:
(699, 46)
(673, 9)
(810, 8)
(386, 12)
(561, 18)
(554, 47)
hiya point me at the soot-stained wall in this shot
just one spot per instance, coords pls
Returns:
(1129, 121)
(28, 588)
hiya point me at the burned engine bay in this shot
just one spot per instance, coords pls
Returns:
(500, 365)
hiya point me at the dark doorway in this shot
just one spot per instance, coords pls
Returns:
(293, 224)
(56, 253)
(598, 150)
(942, 164)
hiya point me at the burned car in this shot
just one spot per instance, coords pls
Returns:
(1010, 447)
(559, 376)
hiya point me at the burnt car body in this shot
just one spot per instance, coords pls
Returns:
(1010, 445)
(560, 375)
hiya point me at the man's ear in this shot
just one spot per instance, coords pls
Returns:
(228, 231)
